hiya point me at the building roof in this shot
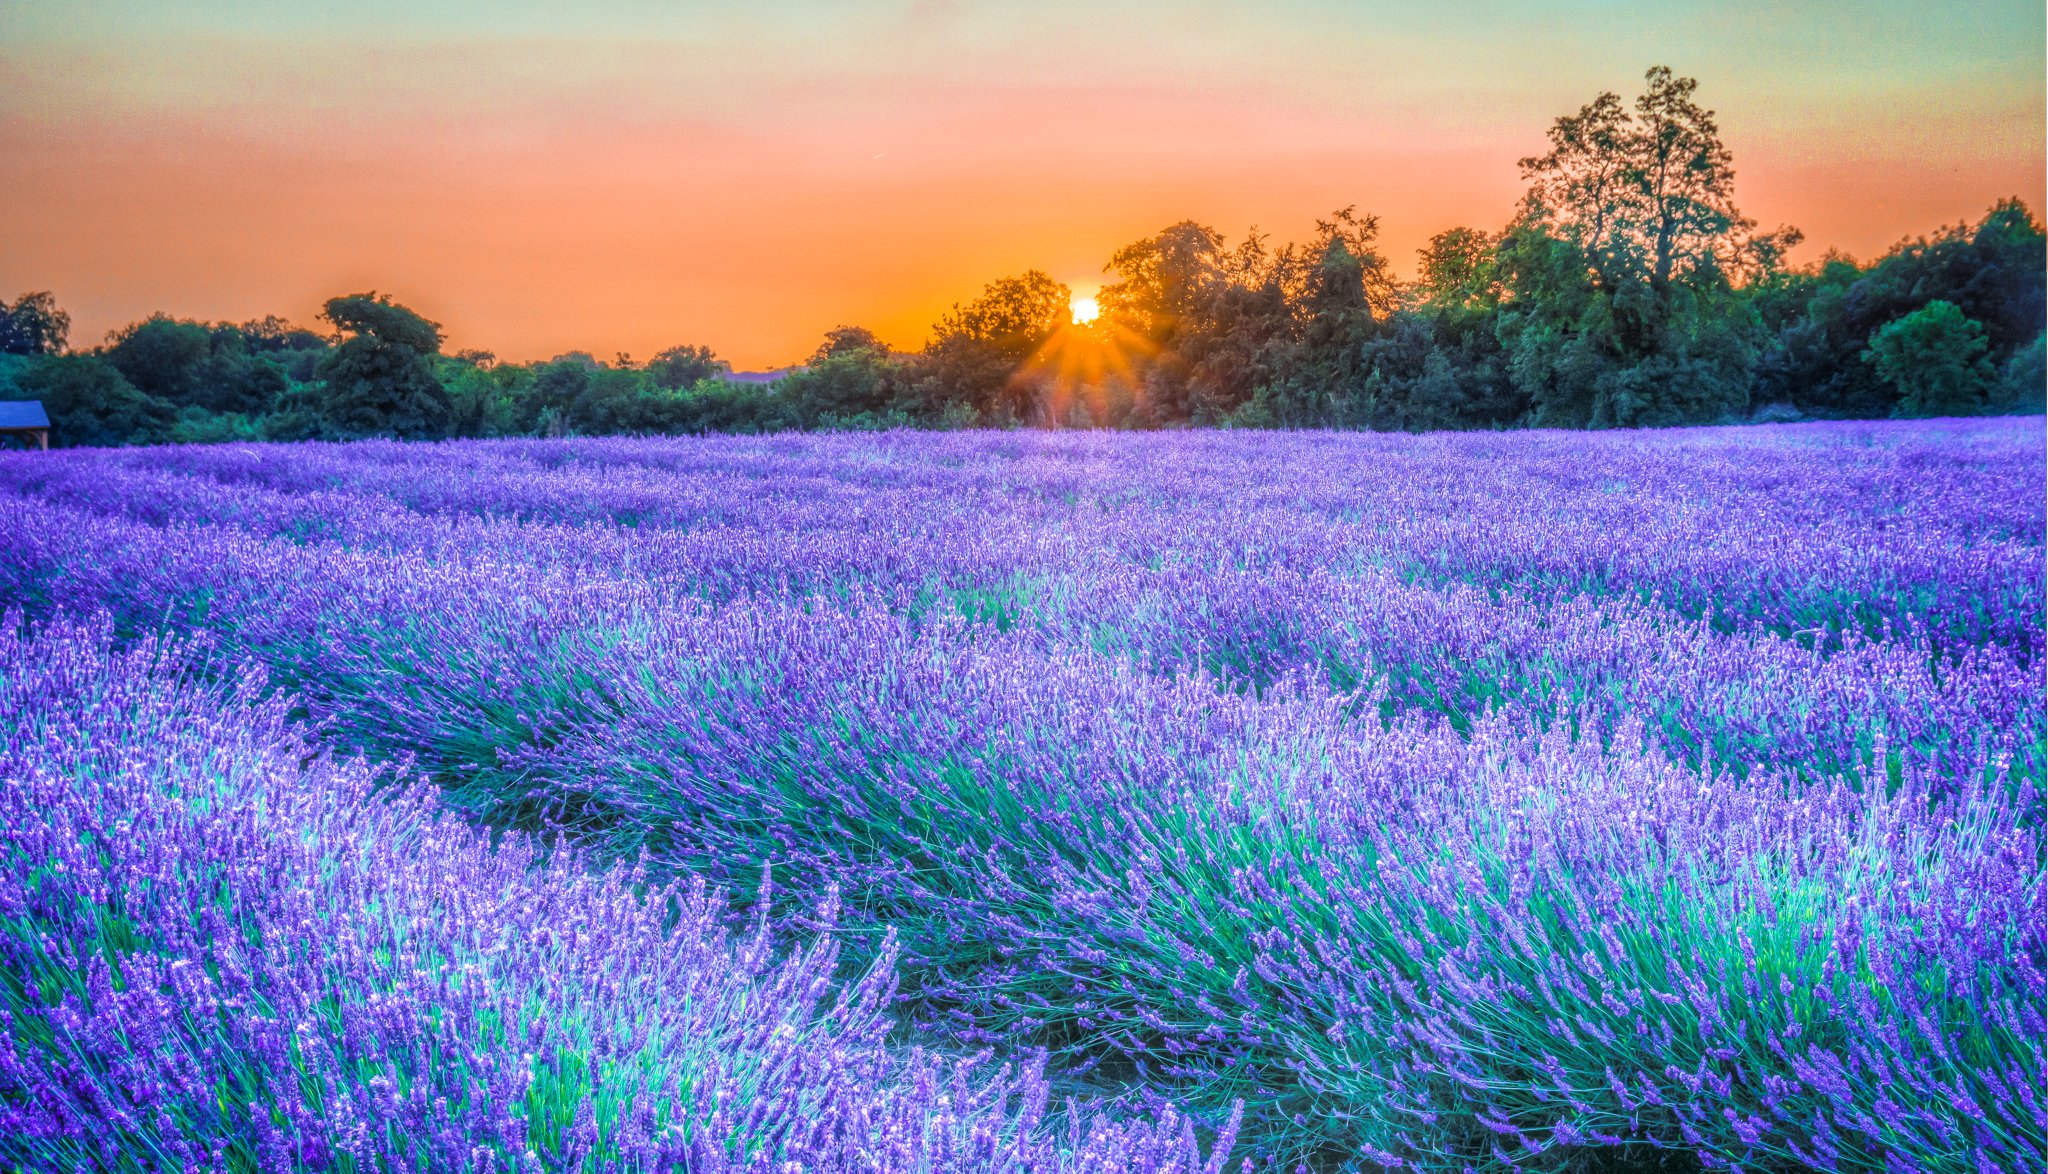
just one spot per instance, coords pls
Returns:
(23, 413)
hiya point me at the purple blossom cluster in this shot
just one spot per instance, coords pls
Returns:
(1445, 802)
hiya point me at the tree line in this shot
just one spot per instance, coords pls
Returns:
(1628, 291)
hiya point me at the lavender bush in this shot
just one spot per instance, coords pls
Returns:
(1445, 802)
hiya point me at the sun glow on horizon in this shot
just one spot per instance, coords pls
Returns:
(153, 151)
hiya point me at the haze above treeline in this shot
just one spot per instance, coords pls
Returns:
(1628, 290)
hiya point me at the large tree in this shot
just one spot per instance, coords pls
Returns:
(1013, 315)
(1624, 273)
(1163, 281)
(979, 351)
(379, 381)
(1648, 193)
(33, 325)
(849, 340)
(685, 366)
(1459, 271)
(1214, 326)
(162, 356)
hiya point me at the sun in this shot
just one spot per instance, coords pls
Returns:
(1085, 310)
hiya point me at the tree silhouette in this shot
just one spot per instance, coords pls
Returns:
(33, 325)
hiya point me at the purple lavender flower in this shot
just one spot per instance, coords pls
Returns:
(1445, 801)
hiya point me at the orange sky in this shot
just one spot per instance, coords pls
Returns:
(747, 176)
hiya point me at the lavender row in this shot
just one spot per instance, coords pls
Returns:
(1742, 700)
(222, 951)
(1798, 528)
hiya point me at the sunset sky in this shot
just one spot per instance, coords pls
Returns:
(616, 175)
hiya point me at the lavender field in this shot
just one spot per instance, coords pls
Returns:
(1056, 802)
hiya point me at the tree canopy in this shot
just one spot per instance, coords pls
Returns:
(1936, 360)
(33, 325)
(378, 381)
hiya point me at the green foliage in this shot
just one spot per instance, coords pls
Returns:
(1251, 333)
(296, 350)
(1014, 316)
(980, 351)
(1934, 358)
(1620, 304)
(845, 340)
(1459, 271)
(586, 397)
(33, 325)
(384, 321)
(1161, 281)
(379, 381)
(1995, 272)
(486, 398)
(715, 405)
(162, 356)
(1648, 195)
(843, 385)
(89, 403)
(199, 426)
(685, 366)
(218, 368)
(2024, 383)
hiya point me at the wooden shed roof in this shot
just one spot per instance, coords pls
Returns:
(23, 413)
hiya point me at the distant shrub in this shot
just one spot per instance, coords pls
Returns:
(2023, 385)
(1936, 360)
